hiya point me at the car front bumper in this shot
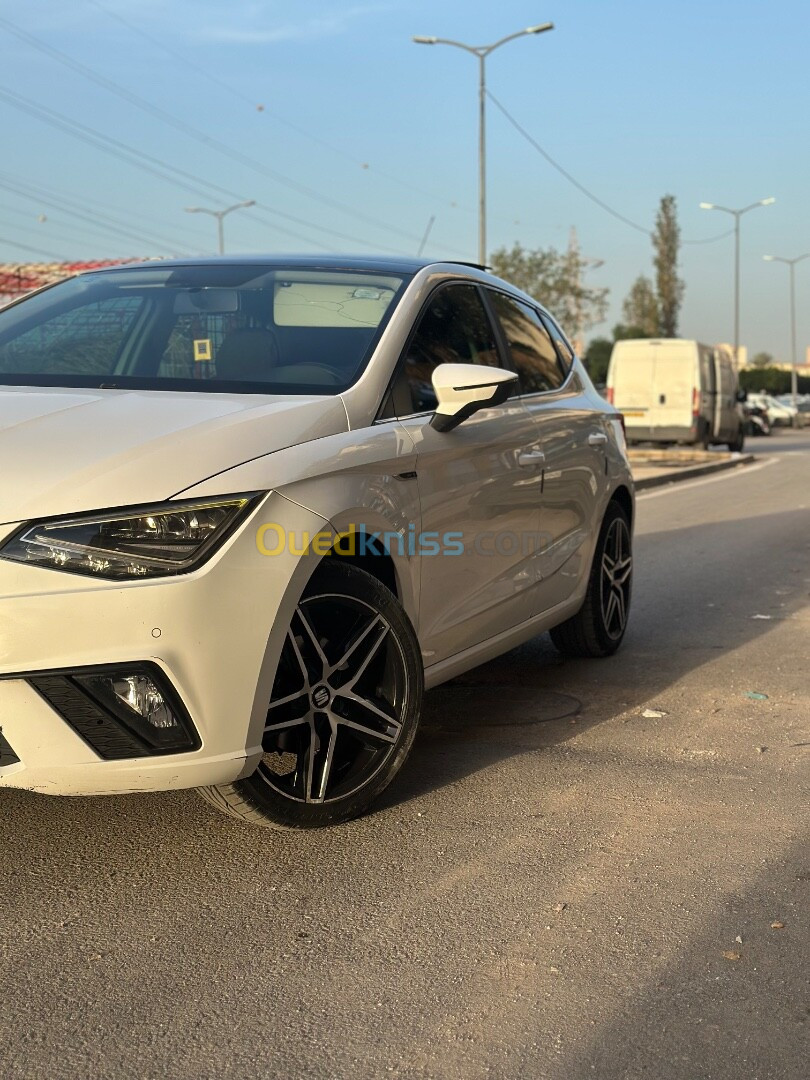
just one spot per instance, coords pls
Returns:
(211, 633)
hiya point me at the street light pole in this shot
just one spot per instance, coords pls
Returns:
(794, 375)
(220, 216)
(482, 52)
(737, 214)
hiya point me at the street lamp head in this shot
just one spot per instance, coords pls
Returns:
(424, 40)
(540, 29)
(769, 258)
(768, 201)
(707, 206)
(249, 202)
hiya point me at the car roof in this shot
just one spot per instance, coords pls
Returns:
(386, 264)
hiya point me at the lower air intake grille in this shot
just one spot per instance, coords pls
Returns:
(109, 739)
(7, 755)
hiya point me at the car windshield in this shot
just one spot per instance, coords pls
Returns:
(217, 328)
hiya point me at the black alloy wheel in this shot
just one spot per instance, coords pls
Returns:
(599, 626)
(617, 572)
(344, 707)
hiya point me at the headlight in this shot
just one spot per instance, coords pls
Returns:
(140, 542)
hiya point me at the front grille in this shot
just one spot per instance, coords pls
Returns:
(7, 755)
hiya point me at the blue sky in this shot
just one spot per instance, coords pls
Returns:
(364, 136)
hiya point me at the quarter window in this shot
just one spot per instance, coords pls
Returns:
(454, 329)
(530, 346)
(561, 341)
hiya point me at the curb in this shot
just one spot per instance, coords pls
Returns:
(691, 472)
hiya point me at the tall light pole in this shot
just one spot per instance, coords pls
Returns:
(794, 375)
(482, 52)
(737, 214)
(220, 215)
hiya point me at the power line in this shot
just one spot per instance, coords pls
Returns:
(95, 220)
(581, 187)
(192, 132)
(32, 250)
(146, 162)
(204, 73)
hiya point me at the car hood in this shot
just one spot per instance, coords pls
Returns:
(64, 451)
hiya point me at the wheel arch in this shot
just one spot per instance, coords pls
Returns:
(624, 498)
(375, 559)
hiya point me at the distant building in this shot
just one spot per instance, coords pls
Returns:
(17, 279)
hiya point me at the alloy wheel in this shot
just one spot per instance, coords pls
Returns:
(338, 703)
(617, 570)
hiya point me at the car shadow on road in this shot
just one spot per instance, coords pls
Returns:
(501, 708)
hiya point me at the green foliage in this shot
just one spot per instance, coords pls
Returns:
(772, 380)
(556, 279)
(669, 287)
(640, 309)
(621, 332)
(597, 358)
(762, 359)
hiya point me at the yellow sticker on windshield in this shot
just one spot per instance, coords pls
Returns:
(202, 349)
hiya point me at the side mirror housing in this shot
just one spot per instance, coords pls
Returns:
(464, 389)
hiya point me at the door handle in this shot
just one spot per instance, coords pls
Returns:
(597, 438)
(531, 458)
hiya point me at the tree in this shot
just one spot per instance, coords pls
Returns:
(762, 359)
(770, 379)
(621, 332)
(555, 278)
(597, 358)
(640, 309)
(669, 287)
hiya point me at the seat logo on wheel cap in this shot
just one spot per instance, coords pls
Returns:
(321, 697)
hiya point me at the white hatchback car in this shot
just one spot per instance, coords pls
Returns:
(251, 508)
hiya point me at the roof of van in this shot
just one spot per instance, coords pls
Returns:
(645, 342)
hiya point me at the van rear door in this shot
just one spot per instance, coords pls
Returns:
(632, 385)
(675, 378)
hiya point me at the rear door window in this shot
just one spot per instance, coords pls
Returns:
(530, 346)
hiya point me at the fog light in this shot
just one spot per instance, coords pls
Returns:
(141, 699)
(141, 695)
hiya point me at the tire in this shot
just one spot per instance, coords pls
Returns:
(344, 708)
(599, 626)
(738, 444)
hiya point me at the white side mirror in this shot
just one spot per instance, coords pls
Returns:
(463, 389)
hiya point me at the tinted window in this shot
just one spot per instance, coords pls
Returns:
(85, 339)
(222, 327)
(561, 341)
(530, 346)
(454, 329)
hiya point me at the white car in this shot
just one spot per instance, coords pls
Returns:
(251, 508)
(779, 413)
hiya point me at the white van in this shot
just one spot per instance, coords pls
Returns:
(676, 391)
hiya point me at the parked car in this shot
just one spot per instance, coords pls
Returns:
(780, 414)
(257, 505)
(802, 403)
(676, 391)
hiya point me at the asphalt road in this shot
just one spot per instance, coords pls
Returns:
(606, 895)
